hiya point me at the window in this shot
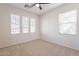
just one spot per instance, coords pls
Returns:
(32, 25)
(15, 24)
(25, 24)
(67, 22)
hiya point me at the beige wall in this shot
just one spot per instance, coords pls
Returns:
(50, 26)
(7, 39)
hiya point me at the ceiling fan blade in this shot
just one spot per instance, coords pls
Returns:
(26, 5)
(33, 5)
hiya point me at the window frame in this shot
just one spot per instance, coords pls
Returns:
(27, 24)
(75, 23)
(33, 24)
(15, 16)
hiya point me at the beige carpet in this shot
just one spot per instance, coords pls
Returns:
(38, 48)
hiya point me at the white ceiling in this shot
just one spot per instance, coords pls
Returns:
(36, 10)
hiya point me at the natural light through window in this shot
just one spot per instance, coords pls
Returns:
(68, 22)
(22, 24)
(32, 25)
(15, 24)
(25, 24)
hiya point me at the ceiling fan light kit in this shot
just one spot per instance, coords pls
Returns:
(37, 5)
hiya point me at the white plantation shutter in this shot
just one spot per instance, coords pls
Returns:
(68, 22)
(15, 24)
(32, 25)
(25, 24)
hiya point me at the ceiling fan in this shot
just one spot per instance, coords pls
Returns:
(35, 4)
